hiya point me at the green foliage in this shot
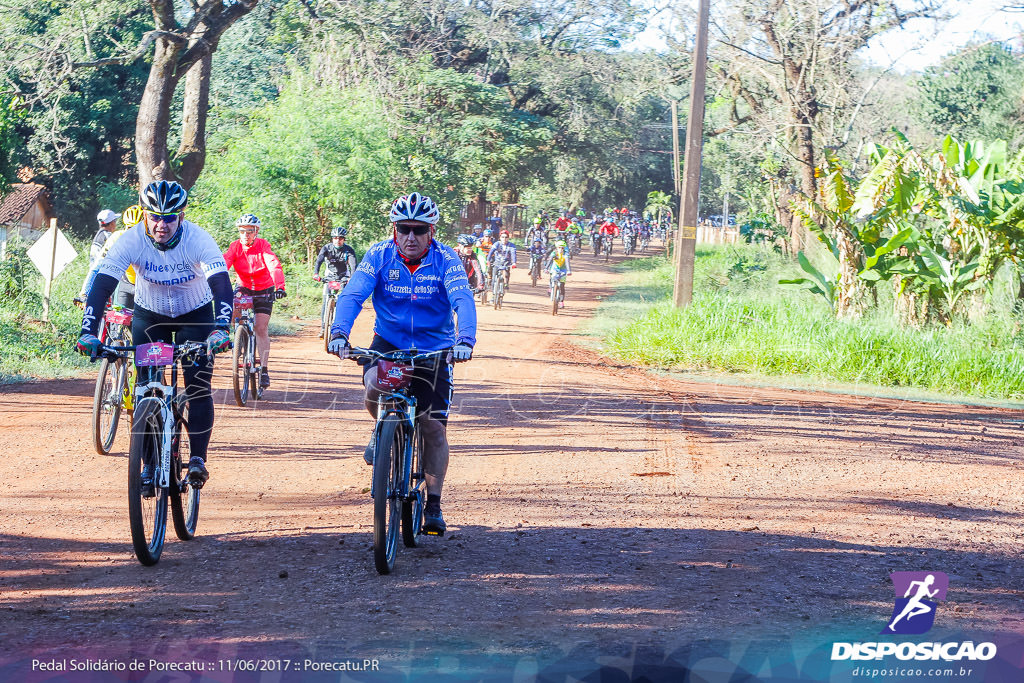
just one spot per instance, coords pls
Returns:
(741, 322)
(312, 159)
(974, 93)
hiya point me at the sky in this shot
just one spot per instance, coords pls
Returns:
(922, 44)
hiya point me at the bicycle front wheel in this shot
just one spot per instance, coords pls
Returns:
(147, 516)
(184, 496)
(387, 506)
(329, 320)
(106, 403)
(239, 365)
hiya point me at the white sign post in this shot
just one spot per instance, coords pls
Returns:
(51, 255)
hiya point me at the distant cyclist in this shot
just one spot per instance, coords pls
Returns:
(467, 252)
(341, 263)
(420, 297)
(558, 267)
(125, 293)
(261, 276)
(502, 257)
(182, 288)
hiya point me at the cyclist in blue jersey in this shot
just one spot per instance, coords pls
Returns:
(422, 299)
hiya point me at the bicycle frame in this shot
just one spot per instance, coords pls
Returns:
(404, 406)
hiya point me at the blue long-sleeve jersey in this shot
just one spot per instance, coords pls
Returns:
(414, 308)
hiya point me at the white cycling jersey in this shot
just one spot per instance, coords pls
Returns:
(171, 282)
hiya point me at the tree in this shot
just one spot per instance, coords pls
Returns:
(789, 64)
(974, 94)
(45, 47)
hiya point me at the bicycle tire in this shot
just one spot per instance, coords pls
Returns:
(145, 445)
(106, 404)
(239, 365)
(254, 370)
(386, 504)
(412, 508)
(329, 320)
(184, 497)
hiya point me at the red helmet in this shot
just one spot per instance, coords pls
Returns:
(504, 233)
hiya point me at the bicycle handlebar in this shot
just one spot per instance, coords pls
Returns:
(357, 353)
(182, 350)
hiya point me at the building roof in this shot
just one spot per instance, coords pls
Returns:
(16, 203)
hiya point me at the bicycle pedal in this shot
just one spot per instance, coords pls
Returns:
(433, 533)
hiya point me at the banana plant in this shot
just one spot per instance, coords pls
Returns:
(950, 278)
(818, 283)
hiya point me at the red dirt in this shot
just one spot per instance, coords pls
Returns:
(591, 507)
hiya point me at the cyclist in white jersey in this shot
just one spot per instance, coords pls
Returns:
(182, 287)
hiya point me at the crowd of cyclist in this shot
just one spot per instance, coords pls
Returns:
(171, 272)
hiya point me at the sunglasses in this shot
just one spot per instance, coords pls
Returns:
(162, 217)
(417, 230)
(246, 232)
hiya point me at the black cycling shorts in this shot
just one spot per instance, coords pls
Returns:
(263, 299)
(431, 387)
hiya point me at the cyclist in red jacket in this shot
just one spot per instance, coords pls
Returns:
(259, 275)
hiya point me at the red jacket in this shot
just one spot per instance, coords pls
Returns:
(257, 266)
(562, 223)
(610, 229)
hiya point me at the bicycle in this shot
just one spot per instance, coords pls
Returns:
(334, 288)
(159, 437)
(557, 292)
(398, 487)
(245, 369)
(499, 281)
(606, 245)
(575, 244)
(115, 381)
(595, 242)
(535, 266)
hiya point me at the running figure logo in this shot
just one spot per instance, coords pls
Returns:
(914, 612)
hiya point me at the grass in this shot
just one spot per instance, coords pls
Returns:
(741, 322)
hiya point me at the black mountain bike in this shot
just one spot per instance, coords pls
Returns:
(398, 489)
(159, 439)
(535, 267)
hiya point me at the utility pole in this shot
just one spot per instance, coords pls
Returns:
(676, 179)
(686, 234)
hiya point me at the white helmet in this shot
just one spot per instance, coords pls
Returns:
(247, 219)
(415, 207)
(107, 216)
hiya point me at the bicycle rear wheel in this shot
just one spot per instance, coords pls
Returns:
(106, 403)
(147, 517)
(412, 509)
(239, 365)
(184, 497)
(386, 503)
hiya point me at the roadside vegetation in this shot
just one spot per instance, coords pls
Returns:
(743, 321)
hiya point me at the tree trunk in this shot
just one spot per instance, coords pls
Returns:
(154, 117)
(178, 50)
(191, 156)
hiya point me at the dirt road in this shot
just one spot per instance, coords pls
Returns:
(595, 511)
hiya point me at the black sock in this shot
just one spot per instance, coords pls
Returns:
(433, 500)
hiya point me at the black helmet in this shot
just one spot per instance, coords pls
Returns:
(338, 232)
(163, 197)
